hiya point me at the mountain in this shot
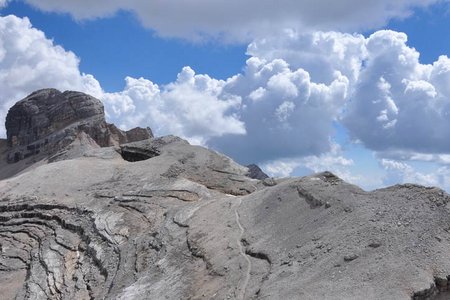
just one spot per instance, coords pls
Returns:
(49, 124)
(88, 211)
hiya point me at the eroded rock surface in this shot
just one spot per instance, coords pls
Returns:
(162, 219)
(48, 120)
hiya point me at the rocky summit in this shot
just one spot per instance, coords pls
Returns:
(48, 121)
(88, 211)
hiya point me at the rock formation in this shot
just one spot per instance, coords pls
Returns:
(255, 172)
(162, 219)
(48, 121)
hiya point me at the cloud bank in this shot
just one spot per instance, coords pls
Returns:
(241, 20)
(192, 107)
(281, 109)
(397, 171)
(283, 104)
(295, 86)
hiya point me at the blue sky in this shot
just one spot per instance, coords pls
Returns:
(293, 86)
(113, 48)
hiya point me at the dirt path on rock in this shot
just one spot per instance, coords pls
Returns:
(243, 288)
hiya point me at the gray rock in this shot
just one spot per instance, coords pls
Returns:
(146, 149)
(350, 257)
(187, 223)
(47, 121)
(269, 181)
(46, 112)
(255, 172)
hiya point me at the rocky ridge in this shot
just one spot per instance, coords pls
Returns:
(162, 219)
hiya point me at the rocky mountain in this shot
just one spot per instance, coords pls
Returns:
(47, 122)
(98, 213)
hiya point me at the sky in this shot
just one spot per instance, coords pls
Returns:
(357, 87)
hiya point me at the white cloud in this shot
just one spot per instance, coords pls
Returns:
(394, 171)
(398, 103)
(282, 167)
(241, 20)
(280, 110)
(192, 107)
(3, 3)
(394, 102)
(283, 104)
(270, 111)
(322, 54)
(29, 61)
(333, 161)
(286, 114)
(402, 155)
(402, 172)
(288, 108)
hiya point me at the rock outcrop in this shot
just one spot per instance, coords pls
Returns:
(48, 120)
(162, 219)
(255, 172)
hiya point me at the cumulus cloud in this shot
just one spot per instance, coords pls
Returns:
(280, 110)
(270, 111)
(399, 104)
(333, 161)
(29, 61)
(286, 114)
(322, 54)
(241, 20)
(283, 104)
(292, 89)
(192, 107)
(394, 104)
(281, 167)
(402, 172)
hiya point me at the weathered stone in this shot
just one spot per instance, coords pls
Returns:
(146, 149)
(375, 244)
(255, 172)
(47, 112)
(269, 181)
(48, 120)
(350, 257)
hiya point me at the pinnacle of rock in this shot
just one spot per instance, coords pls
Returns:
(255, 172)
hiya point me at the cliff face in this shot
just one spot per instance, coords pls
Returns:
(48, 120)
(46, 112)
(161, 219)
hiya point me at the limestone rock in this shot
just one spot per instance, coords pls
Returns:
(48, 120)
(48, 111)
(255, 172)
(119, 137)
